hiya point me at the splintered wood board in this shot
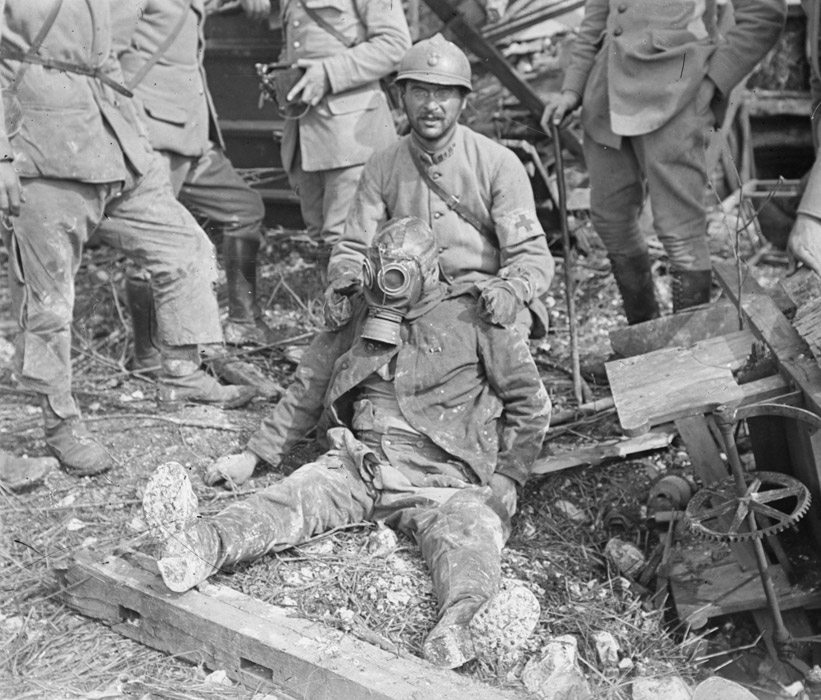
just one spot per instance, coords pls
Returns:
(706, 581)
(673, 383)
(769, 324)
(256, 644)
(804, 288)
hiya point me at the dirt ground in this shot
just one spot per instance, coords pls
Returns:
(556, 549)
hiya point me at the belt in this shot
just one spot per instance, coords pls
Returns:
(67, 67)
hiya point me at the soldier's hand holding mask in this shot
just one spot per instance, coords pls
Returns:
(337, 304)
(502, 300)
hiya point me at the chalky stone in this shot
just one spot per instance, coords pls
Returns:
(169, 503)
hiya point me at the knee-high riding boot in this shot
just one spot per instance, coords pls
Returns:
(245, 323)
(634, 278)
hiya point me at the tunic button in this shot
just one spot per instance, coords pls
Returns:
(437, 215)
(617, 31)
(622, 8)
(436, 176)
(296, 22)
(296, 44)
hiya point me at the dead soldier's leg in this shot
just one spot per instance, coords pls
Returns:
(153, 228)
(314, 499)
(462, 543)
(45, 248)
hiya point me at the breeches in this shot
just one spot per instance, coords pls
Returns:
(670, 163)
(324, 198)
(461, 530)
(210, 188)
(140, 217)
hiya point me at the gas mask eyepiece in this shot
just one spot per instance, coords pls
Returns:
(401, 262)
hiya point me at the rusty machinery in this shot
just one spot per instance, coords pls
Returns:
(752, 505)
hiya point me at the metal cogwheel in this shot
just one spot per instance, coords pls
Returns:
(720, 513)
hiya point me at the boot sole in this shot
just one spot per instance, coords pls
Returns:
(169, 501)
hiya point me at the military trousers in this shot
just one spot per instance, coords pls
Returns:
(324, 198)
(142, 218)
(210, 188)
(670, 165)
(461, 531)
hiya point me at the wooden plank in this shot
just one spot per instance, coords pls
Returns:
(772, 327)
(672, 383)
(256, 644)
(682, 329)
(588, 456)
(705, 454)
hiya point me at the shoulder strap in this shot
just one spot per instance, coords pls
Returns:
(138, 77)
(36, 44)
(327, 26)
(452, 200)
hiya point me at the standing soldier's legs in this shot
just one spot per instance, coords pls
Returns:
(616, 199)
(45, 248)
(673, 159)
(159, 234)
(324, 198)
(213, 190)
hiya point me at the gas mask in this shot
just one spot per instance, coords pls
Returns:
(401, 265)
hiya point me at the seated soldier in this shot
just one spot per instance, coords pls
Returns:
(434, 417)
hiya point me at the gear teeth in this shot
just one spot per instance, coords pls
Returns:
(727, 490)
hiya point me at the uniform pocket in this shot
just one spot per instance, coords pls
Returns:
(358, 100)
(167, 113)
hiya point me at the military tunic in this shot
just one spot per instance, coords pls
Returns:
(324, 149)
(639, 66)
(83, 158)
(179, 112)
(487, 178)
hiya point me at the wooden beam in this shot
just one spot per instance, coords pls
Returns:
(256, 644)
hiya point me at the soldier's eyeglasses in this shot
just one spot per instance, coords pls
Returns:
(440, 94)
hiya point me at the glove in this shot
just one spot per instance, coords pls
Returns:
(502, 300)
(337, 309)
(234, 470)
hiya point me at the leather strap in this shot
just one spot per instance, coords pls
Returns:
(452, 200)
(138, 77)
(14, 55)
(327, 26)
(36, 44)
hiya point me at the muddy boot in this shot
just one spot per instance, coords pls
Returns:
(191, 548)
(140, 299)
(18, 473)
(245, 324)
(450, 644)
(183, 380)
(236, 371)
(69, 440)
(691, 288)
(634, 278)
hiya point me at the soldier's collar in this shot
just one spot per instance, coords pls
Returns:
(435, 157)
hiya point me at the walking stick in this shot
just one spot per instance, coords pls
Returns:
(568, 268)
